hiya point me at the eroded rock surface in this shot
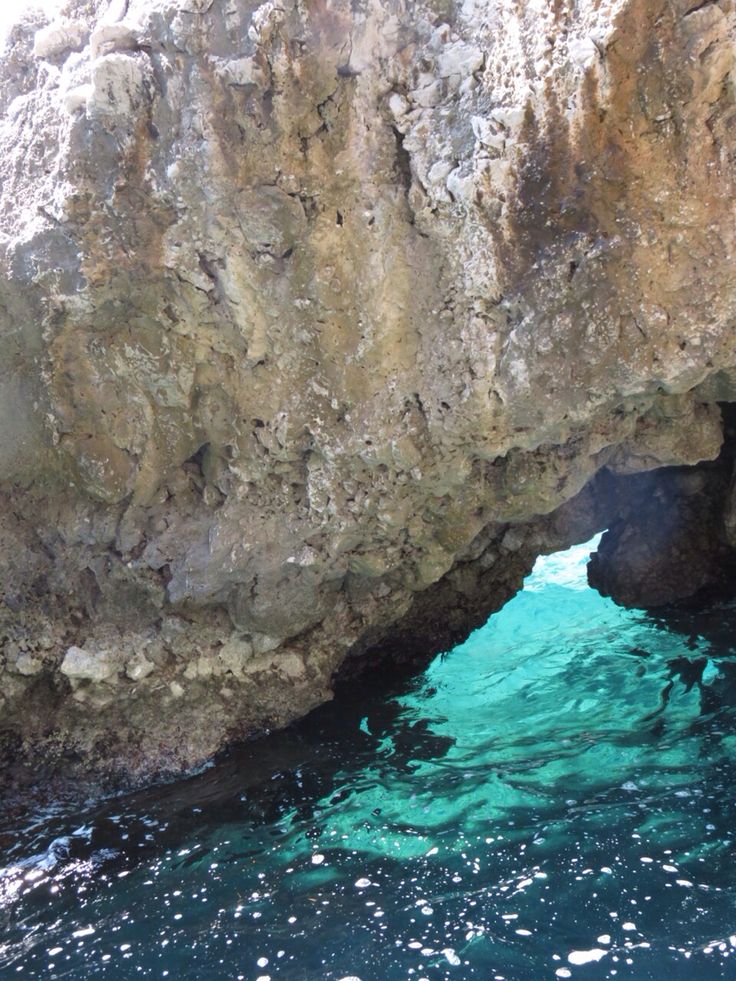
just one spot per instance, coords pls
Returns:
(311, 311)
(670, 534)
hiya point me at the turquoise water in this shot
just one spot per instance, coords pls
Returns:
(553, 798)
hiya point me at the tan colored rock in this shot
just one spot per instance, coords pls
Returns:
(139, 668)
(60, 38)
(84, 665)
(27, 665)
(310, 312)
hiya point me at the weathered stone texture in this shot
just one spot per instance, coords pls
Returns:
(304, 303)
(671, 535)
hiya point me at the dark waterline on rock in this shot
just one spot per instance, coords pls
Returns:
(555, 798)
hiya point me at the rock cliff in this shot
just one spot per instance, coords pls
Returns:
(319, 320)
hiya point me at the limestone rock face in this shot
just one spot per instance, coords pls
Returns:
(308, 309)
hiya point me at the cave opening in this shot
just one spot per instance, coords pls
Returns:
(495, 801)
(662, 540)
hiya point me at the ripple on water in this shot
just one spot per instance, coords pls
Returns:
(555, 798)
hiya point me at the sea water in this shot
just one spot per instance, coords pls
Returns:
(554, 798)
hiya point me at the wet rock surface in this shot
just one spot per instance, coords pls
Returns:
(317, 321)
(670, 537)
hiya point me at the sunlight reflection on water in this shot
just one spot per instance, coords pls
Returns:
(554, 798)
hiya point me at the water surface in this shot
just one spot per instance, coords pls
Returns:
(553, 798)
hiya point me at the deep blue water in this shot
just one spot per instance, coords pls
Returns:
(554, 798)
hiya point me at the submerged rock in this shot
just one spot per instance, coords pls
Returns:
(316, 320)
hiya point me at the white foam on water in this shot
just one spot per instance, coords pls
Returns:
(579, 957)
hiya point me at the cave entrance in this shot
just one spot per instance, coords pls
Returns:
(669, 545)
(567, 568)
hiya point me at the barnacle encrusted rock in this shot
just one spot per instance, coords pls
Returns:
(316, 322)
